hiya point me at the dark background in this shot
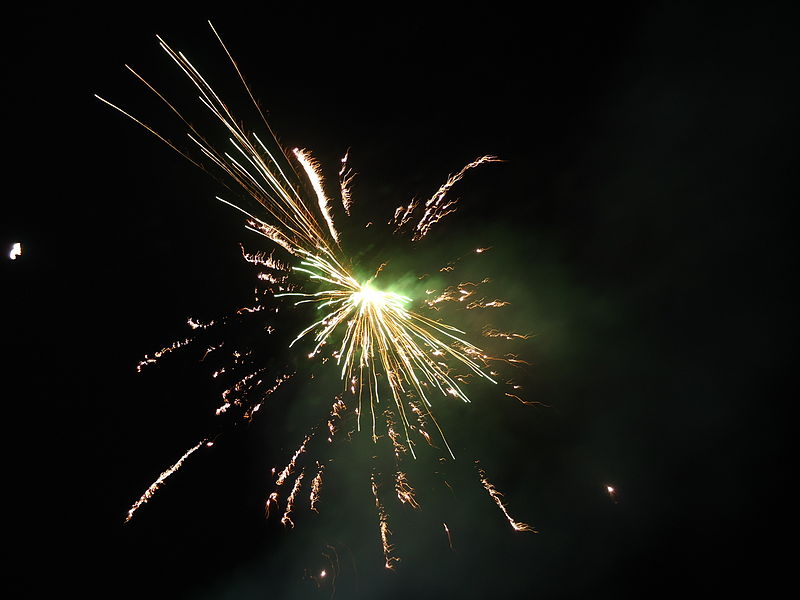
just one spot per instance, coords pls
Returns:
(641, 227)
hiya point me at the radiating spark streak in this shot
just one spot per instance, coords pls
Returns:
(316, 486)
(405, 493)
(195, 324)
(399, 449)
(147, 360)
(272, 158)
(271, 233)
(290, 467)
(311, 168)
(285, 520)
(378, 271)
(270, 278)
(403, 215)
(248, 416)
(280, 199)
(454, 293)
(241, 210)
(437, 207)
(282, 202)
(404, 490)
(482, 250)
(515, 360)
(261, 258)
(272, 500)
(160, 481)
(255, 103)
(346, 177)
(241, 77)
(336, 411)
(383, 525)
(211, 349)
(483, 303)
(449, 539)
(249, 309)
(525, 402)
(421, 422)
(238, 387)
(506, 335)
(497, 497)
(151, 130)
(16, 251)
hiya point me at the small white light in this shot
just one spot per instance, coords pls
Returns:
(16, 250)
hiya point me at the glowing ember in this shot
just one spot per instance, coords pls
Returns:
(16, 250)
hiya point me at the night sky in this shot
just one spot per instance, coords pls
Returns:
(640, 227)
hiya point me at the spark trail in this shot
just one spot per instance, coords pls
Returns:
(161, 479)
(497, 496)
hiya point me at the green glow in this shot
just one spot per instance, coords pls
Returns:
(368, 298)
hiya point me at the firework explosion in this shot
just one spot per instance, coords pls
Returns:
(394, 360)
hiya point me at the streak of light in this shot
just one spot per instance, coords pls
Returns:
(286, 521)
(147, 360)
(449, 538)
(287, 470)
(497, 497)
(383, 525)
(316, 486)
(149, 492)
